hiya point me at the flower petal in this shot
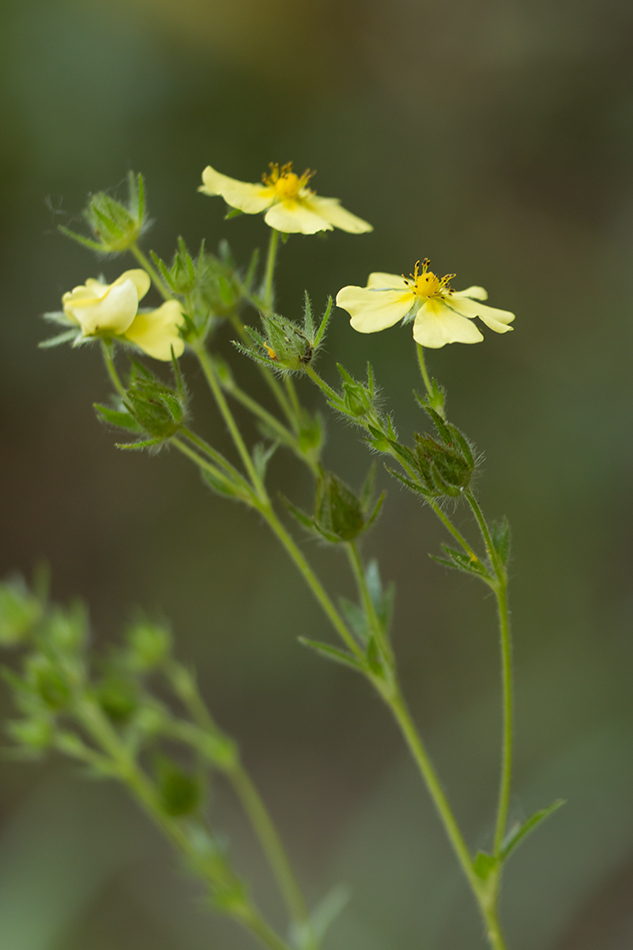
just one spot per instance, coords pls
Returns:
(294, 217)
(113, 312)
(436, 325)
(477, 292)
(373, 310)
(139, 278)
(382, 281)
(331, 210)
(156, 332)
(251, 199)
(497, 320)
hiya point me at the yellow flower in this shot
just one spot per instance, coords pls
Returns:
(112, 310)
(441, 315)
(292, 206)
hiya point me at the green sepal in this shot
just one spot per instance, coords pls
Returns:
(304, 520)
(331, 653)
(517, 834)
(413, 486)
(65, 337)
(116, 417)
(233, 213)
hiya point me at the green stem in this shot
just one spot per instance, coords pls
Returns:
(485, 534)
(271, 258)
(263, 825)
(312, 581)
(147, 265)
(204, 446)
(494, 934)
(508, 716)
(422, 760)
(227, 415)
(229, 480)
(423, 370)
(333, 396)
(106, 349)
(134, 777)
(271, 845)
(368, 604)
(270, 380)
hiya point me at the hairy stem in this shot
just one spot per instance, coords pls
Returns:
(227, 415)
(147, 265)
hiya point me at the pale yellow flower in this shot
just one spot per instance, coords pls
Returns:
(441, 315)
(112, 310)
(290, 205)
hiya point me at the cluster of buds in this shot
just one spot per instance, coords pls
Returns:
(208, 285)
(285, 346)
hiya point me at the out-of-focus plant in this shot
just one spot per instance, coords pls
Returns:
(141, 719)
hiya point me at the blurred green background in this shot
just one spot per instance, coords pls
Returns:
(496, 138)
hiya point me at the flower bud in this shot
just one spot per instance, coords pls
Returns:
(116, 226)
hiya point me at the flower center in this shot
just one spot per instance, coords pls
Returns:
(424, 283)
(284, 182)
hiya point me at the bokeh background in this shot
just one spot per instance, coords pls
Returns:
(495, 137)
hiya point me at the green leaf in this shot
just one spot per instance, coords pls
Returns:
(484, 865)
(123, 420)
(305, 520)
(462, 562)
(326, 912)
(517, 834)
(500, 533)
(355, 618)
(331, 653)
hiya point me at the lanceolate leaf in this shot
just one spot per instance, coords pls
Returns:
(517, 835)
(331, 653)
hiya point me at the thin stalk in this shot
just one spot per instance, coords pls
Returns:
(252, 803)
(423, 370)
(485, 534)
(312, 581)
(508, 716)
(204, 446)
(106, 349)
(147, 265)
(501, 593)
(425, 766)
(135, 778)
(269, 287)
(271, 845)
(368, 604)
(227, 415)
(203, 463)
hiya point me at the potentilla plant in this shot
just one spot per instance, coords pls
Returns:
(124, 717)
